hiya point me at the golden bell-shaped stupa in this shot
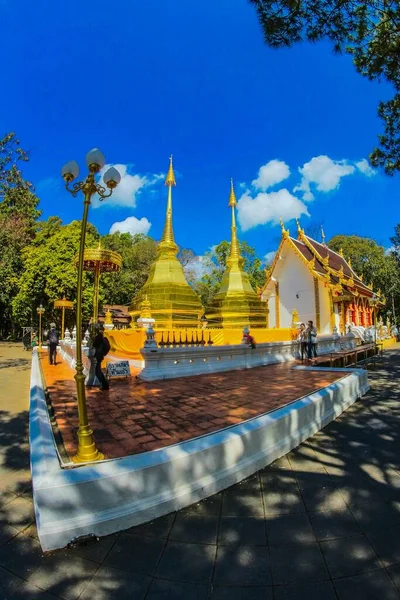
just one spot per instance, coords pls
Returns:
(173, 302)
(236, 304)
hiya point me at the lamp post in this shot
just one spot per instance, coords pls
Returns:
(95, 161)
(40, 312)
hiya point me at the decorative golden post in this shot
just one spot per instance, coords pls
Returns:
(99, 261)
(63, 304)
(40, 312)
(95, 161)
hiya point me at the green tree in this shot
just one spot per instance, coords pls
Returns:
(367, 30)
(18, 215)
(138, 252)
(214, 265)
(49, 272)
(370, 260)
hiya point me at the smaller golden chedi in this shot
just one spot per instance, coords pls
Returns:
(236, 304)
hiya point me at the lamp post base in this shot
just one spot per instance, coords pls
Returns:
(87, 451)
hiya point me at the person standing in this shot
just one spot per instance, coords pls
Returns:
(52, 338)
(311, 336)
(302, 339)
(101, 346)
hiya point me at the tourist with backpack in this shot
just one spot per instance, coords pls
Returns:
(52, 338)
(101, 346)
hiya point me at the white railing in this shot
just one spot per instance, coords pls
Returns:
(168, 363)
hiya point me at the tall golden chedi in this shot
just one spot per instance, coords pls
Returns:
(173, 302)
(236, 304)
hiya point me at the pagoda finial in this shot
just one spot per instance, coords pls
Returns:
(170, 179)
(168, 239)
(232, 197)
(300, 231)
(323, 235)
(234, 254)
(145, 308)
(285, 232)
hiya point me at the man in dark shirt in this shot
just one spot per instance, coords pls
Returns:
(102, 347)
(52, 338)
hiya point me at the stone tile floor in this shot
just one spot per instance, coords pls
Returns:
(135, 416)
(322, 523)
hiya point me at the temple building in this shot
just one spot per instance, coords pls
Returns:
(173, 302)
(311, 281)
(236, 304)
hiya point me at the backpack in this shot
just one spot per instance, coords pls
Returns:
(105, 346)
(53, 337)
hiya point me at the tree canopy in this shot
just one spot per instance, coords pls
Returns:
(367, 30)
(18, 215)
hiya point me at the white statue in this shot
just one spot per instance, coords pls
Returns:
(74, 334)
(67, 335)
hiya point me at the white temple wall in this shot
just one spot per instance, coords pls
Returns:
(296, 290)
(324, 308)
(269, 297)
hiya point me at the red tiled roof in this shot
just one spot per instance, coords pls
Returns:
(336, 262)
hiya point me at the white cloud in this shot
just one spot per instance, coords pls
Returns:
(324, 173)
(365, 168)
(268, 207)
(269, 257)
(131, 225)
(130, 186)
(196, 267)
(270, 174)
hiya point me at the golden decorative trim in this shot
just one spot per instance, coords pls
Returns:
(332, 311)
(317, 305)
(105, 257)
(277, 306)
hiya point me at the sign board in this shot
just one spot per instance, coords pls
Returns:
(118, 369)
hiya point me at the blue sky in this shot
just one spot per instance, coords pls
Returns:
(141, 80)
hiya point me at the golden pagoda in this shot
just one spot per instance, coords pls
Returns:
(173, 302)
(236, 304)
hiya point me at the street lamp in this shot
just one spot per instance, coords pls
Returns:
(95, 161)
(40, 312)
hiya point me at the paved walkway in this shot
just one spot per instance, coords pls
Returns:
(322, 523)
(135, 416)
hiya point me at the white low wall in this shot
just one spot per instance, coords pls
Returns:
(104, 497)
(168, 363)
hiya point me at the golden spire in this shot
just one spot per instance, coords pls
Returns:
(323, 235)
(349, 263)
(170, 179)
(168, 233)
(232, 197)
(234, 254)
(341, 252)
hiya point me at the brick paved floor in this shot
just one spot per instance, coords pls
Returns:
(135, 416)
(322, 523)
